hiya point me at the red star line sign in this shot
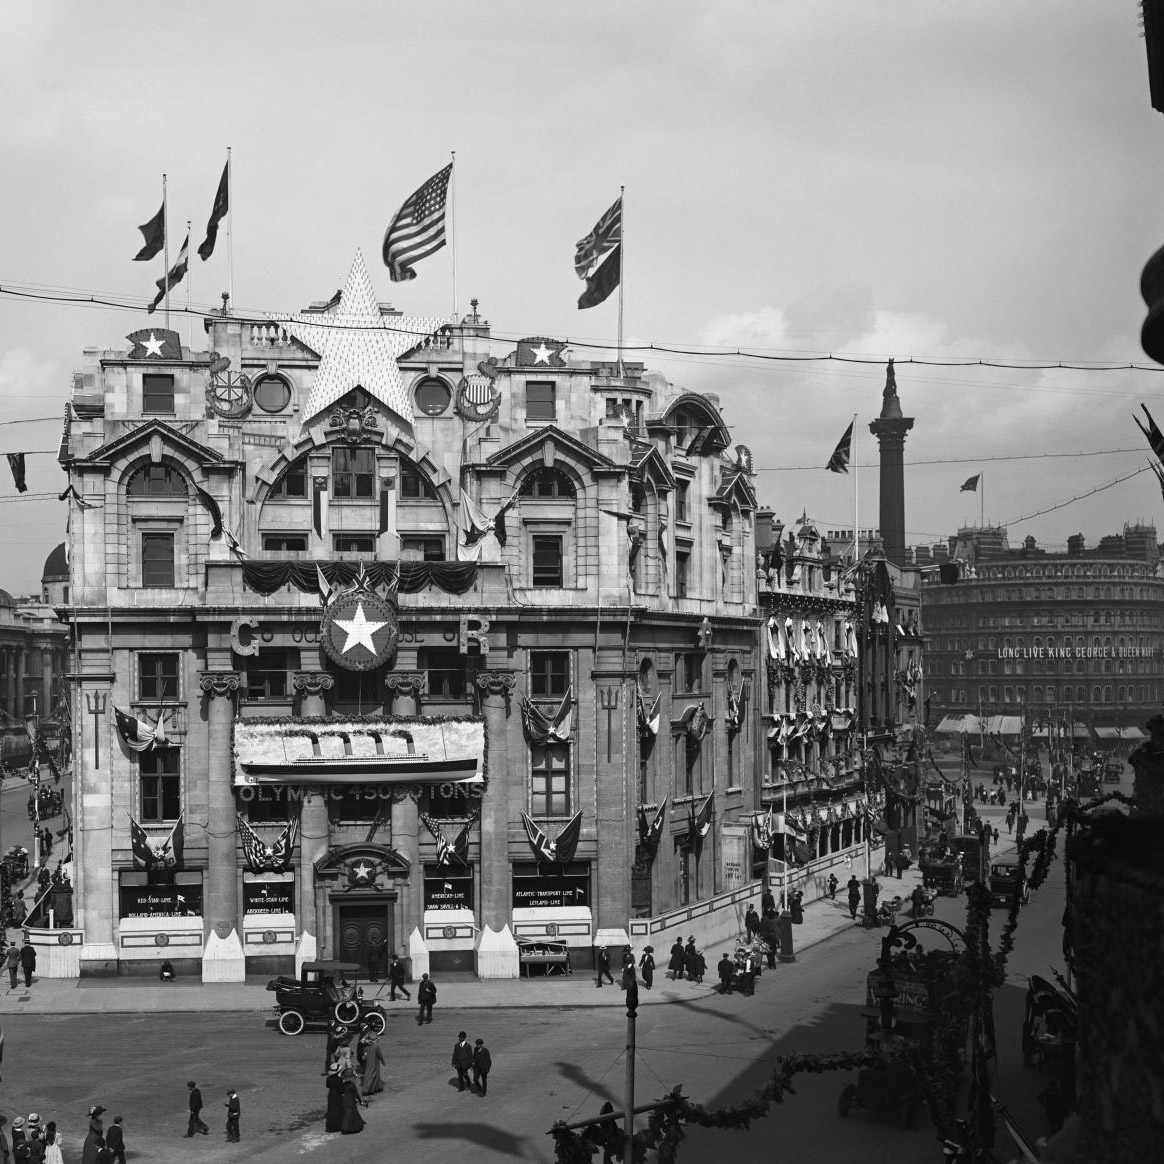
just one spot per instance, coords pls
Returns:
(359, 631)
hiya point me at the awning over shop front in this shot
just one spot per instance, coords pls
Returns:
(359, 752)
(1118, 733)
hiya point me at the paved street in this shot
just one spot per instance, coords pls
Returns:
(550, 1063)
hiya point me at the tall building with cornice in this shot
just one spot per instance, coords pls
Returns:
(389, 634)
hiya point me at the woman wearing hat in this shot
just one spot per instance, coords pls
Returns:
(52, 1145)
(95, 1140)
(353, 1122)
(335, 1101)
(647, 966)
(17, 1133)
(372, 1081)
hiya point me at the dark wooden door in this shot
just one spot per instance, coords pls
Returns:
(359, 923)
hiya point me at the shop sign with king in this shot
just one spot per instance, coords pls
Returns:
(359, 629)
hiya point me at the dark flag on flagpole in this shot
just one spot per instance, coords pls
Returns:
(418, 230)
(1155, 437)
(217, 213)
(970, 485)
(175, 275)
(603, 281)
(155, 235)
(16, 464)
(839, 461)
(606, 235)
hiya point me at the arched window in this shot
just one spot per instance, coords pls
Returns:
(547, 484)
(291, 484)
(154, 481)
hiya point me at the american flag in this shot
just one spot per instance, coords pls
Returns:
(605, 236)
(418, 230)
(444, 849)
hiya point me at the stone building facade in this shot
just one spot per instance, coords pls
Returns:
(405, 603)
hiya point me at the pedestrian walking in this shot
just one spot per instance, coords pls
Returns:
(426, 996)
(726, 971)
(233, 1115)
(647, 966)
(352, 1123)
(854, 888)
(994, 835)
(396, 980)
(334, 1119)
(627, 980)
(674, 966)
(770, 936)
(833, 883)
(95, 1140)
(376, 948)
(690, 960)
(462, 1060)
(115, 1139)
(18, 1137)
(482, 1065)
(752, 922)
(767, 901)
(373, 1080)
(603, 967)
(52, 1144)
(12, 960)
(28, 961)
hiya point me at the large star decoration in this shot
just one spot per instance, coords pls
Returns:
(363, 871)
(358, 346)
(359, 630)
(542, 354)
(153, 346)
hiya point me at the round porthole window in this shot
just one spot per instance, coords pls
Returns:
(432, 396)
(272, 394)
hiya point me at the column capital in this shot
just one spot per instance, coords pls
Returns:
(312, 682)
(219, 683)
(407, 682)
(496, 682)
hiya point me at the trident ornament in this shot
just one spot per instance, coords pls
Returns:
(96, 703)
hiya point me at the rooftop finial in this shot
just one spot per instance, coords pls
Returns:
(890, 405)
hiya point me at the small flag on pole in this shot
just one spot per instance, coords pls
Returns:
(839, 461)
(155, 235)
(16, 464)
(418, 230)
(606, 235)
(970, 485)
(603, 281)
(175, 275)
(217, 213)
(1155, 437)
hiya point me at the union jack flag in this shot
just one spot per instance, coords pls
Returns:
(605, 236)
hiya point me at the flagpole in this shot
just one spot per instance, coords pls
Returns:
(189, 280)
(982, 500)
(453, 218)
(229, 229)
(166, 256)
(621, 266)
(856, 474)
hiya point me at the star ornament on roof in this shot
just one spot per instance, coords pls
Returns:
(358, 347)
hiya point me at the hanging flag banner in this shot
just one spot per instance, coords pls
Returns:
(174, 276)
(606, 235)
(839, 461)
(264, 858)
(561, 850)
(970, 485)
(16, 464)
(137, 734)
(155, 343)
(600, 285)
(540, 729)
(149, 854)
(217, 213)
(418, 230)
(154, 233)
(212, 508)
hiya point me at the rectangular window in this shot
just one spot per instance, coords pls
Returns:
(293, 484)
(157, 559)
(354, 543)
(269, 672)
(682, 571)
(361, 804)
(549, 674)
(540, 401)
(547, 560)
(689, 672)
(157, 393)
(284, 543)
(161, 786)
(449, 802)
(353, 472)
(413, 486)
(157, 676)
(446, 671)
(550, 784)
(681, 509)
(421, 549)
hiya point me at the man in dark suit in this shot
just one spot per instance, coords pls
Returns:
(462, 1060)
(196, 1124)
(115, 1139)
(233, 1112)
(482, 1065)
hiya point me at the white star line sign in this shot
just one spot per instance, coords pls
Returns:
(542, 354)
(359, 630)
(362, 871)
(153, 346)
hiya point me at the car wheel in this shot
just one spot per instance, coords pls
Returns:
(291, 1022)
(375, 1022)
(347, 1011)
(845, 1103)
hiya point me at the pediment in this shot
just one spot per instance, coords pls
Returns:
(574, 449)
(649, 464)
(141, 436)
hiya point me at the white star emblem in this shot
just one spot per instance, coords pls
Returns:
(362, 871)
(153, 346)
(359, 630)
(542, 354)
(358, 346)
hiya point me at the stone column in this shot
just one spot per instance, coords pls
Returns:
(46, 681)
(405, 689)
(18, 708)
(222, 958)
(313, 828)
(493, 688)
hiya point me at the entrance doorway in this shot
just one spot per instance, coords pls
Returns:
(358, 926)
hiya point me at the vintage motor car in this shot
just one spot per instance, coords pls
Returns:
(1004, 873)
(323, 992)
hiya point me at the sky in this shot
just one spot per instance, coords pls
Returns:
(910, 179)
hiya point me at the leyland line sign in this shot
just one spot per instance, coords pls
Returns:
(1076, 652)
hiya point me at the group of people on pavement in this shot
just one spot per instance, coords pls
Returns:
(18, 958)
(686, 959)
(353, 1074)
(36, 1141)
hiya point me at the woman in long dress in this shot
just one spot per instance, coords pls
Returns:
(353, 1122)
(373, 1058)
(52, 1145)
(335, 1101)
(95, 1140)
